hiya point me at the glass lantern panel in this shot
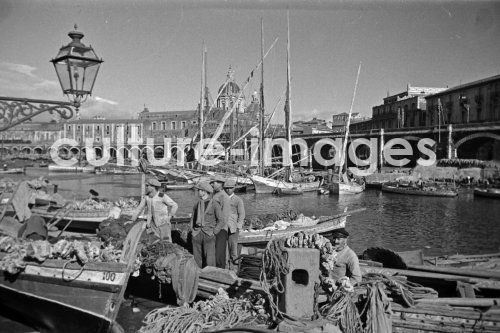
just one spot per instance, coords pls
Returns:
(63, 75)
(83, 75)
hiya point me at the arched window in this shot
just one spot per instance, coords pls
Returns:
(153, 125)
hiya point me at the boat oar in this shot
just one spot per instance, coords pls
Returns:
(52, 223)
(64, 229)
(346, 213)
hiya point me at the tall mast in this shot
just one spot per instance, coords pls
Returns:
(261, 127)
(288, 105)
(231, 119)
(343, 157)
(202, 100)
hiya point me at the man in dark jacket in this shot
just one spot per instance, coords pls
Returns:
(206, 222)
(221, 237)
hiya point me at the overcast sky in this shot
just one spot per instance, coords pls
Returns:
(152, 50)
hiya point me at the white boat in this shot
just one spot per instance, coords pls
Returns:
(60, 168)
(269, 185)
(346, 188)
(346, 185)
(12, 171)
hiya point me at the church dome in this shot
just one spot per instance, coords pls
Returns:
(230, 89)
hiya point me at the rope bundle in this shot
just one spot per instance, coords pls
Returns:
(275, 266)
(342, 310)
(220, 312)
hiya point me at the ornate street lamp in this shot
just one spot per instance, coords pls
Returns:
(76, 67)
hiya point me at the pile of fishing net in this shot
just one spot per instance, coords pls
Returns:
(171, 263)
(368, 307)
(258, 222)
(20, 252)
(219, 312)
(114, 231)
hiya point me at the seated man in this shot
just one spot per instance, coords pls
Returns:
(347, 263)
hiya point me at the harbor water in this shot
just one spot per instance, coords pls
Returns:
(438, 226)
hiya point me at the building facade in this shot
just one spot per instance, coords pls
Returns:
(406, 109)
(473, 102)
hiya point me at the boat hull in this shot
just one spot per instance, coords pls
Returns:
(12, 171)
(60, 296)
(261, 238)
(50, 307)
(486, 193)
(416, 191)
(59, 168)
(342, 188)
(267, 185)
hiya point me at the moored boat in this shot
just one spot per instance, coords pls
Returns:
(493, 193)
(12, 171)
(269, 185)
(60, 168)
(323, 225)
(424, 191)
(58, 296)
(346, 188)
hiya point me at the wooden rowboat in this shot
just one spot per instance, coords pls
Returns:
(269, 185)
(85, 221)
(177, 186)
(58, 296)
(12, 171)
(487, 193)
(435, 192)
(324, 226)
(75, 220)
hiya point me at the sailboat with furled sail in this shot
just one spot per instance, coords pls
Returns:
(345, 185)
(273, 185)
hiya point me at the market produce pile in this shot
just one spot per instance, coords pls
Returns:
(114, 231)
(92, 205)
(20, 252)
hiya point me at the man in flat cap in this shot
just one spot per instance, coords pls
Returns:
(221, 199)
(347, 263)
(206, 222)
(234, 222)
(159, 208)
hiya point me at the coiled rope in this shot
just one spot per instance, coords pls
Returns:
(274, 267)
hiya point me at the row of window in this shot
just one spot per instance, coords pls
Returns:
(173, 125)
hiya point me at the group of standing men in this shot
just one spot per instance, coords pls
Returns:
(217, 218)
(216, 221)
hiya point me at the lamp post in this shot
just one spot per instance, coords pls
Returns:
(76, 66)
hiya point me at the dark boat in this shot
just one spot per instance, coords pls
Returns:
(493, 193)
(85, 221)
(59, 296)
(425, 191)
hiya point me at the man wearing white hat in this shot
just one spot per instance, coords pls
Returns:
(160, 209)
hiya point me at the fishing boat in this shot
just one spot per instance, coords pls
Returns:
(60, 168)
(323, 225)
(82, 220)
(270, 184)
(493, 193)
(350, 187)
(12, 171)
(433, 191)
(177, 186)
(62, 296)
(346, 185)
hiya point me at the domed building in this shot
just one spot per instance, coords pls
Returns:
(229, 94)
